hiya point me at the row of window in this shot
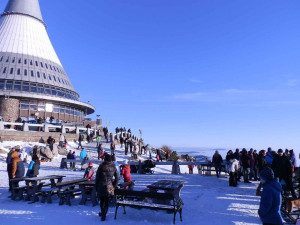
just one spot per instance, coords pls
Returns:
(41, 107)
(32, 63)
(38, 74)
(37, 88)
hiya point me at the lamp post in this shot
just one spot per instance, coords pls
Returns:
(98, 120)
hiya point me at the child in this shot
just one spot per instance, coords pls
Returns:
(89, 172)
(34, 166)
(126, 171)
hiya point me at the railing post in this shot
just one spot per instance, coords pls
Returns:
(25, 127)
(1, 125)
(63, 129)
(46, 128)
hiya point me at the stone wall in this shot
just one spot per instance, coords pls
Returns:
(9, 109)
(33, 136)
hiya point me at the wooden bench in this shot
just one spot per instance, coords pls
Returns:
(59, 189)
(148, 199)
(206, 169)
(17, 191)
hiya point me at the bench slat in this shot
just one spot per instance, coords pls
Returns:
(129, 193)
(145, 204)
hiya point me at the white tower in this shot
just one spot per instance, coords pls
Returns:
(31, 74)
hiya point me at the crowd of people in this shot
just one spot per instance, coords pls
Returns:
(274, 170)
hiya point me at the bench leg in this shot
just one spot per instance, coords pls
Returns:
(174, 217)
(20, 194)
(62, 200)
(13, 194)
(117, 206)
(124, 207)
(44, 196)
(68, 199)
(49, 198)
(180, 212)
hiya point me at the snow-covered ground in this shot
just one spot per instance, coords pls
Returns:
(207, 199)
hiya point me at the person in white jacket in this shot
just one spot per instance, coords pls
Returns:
(61, 140)
(23, 155)
(233, 172)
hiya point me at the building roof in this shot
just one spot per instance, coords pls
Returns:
(26, 7)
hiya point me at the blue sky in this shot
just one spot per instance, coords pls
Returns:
(196, 73)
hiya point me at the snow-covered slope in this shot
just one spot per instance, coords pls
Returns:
(207, 200)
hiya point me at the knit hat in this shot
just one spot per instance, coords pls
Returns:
(107, 158)
(125, 161)
(90, 164)
(267, 174)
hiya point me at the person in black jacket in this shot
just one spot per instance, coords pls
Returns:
(245, 160)
(9, 166)
(236, 154)
(282, 168)
(217, 162)
(107, 176)
(261, 163)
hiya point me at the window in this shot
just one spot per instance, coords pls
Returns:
(36, 63)
(33, 88)
(60, 94)
(1, 58)
(58, 79)
(44, 75)
(9, 85)
(40, 88)
(38, 74)
(19, 71)
(53, 91)
(17, 86)
(50, 67)
(46, 65)
(47, 90)
(42, 65)
(31, 62)
(31, 73)
(50, 77)
(54, 78)
(14, 59)
(24, 105)
(25, 72)
(54, 68)
(11, 71)
(7, 60)
(25, 61)
(63, 81)
(1, 84)
(25, 86)
(4, 70)
(20, 60)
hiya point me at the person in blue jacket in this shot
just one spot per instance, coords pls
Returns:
(34, 166)
(83, 154)
(270, 202)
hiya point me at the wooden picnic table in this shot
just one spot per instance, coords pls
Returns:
(172, 187)
(88, 192)
(34, 185)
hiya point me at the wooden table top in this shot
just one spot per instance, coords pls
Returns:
(166, 184)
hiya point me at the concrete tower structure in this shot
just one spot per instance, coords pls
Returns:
(33, 82)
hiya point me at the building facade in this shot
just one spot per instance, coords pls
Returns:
(33, 82)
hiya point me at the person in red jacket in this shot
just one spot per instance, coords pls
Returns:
(126, 171)
(191, 167)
